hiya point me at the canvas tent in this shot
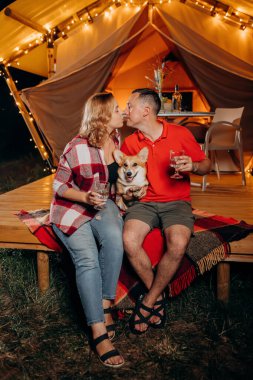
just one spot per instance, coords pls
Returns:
(117, 50)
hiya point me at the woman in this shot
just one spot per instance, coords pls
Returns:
(93, 237)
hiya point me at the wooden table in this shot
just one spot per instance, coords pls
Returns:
(185, 114)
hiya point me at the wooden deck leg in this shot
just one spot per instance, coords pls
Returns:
(43, 270)
(223, 281)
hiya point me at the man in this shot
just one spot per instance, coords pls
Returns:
(166, 203)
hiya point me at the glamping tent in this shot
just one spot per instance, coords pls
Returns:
(87, 46)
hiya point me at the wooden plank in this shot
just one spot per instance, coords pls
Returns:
(14, 233)
(239, 258)
(243, 246)
(43, 270)
(27, 246)
(223, 282)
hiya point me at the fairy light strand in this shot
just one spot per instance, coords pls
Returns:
(88, 15)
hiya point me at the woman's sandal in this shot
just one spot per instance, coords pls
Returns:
(107, 355)
(111, 327)
(137, 312)
(158, 313)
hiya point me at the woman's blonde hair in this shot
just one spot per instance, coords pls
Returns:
(96, 116)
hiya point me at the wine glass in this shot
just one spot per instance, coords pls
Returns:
(174, 155)
(103, 189)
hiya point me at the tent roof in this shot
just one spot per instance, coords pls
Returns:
(17, 38)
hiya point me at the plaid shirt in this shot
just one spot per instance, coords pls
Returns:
(79, 167)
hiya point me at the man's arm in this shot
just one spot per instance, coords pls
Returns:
(202, 167)
(185, 164)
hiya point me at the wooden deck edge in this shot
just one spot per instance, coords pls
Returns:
(13, 245)
(239, 257)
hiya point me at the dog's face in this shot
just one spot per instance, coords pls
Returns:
(131, 167)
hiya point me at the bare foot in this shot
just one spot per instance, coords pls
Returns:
(142, 312)
(98, 330)
(155, 319)
(109, 322)
(106, 346)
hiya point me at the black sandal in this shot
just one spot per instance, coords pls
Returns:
(137, 312)
(112, 326)
(157, 312)
(108, 354)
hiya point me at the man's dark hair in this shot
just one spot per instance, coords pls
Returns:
(150, 96)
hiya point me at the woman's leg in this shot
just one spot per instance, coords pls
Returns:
(83, 250)
(84, 253)
(107, 228)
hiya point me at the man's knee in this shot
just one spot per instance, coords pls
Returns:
(177, 246)
(134, 233)
(130, 242)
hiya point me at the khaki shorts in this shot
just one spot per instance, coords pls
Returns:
(162, 214)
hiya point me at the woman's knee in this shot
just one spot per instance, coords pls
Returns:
(85, 261)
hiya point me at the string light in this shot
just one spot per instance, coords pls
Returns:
(27, 115)
(228, 14)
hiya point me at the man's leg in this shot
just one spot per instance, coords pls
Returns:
(134, 234)
(177, 239)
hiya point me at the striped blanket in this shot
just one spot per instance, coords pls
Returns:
(208, 246)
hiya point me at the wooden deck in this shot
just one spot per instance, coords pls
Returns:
(225, 197)
(14, 233)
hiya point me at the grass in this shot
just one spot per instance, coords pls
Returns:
(20, 171)
(43, 337)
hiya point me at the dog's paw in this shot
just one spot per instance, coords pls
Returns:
(140, 193)
(120, 203)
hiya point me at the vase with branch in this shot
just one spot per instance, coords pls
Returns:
(161, 71)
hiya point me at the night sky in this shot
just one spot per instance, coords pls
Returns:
(14, 134)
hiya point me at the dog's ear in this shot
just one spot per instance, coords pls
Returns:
(143, 154)
(119, 156)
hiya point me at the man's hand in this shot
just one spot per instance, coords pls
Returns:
(185, 164)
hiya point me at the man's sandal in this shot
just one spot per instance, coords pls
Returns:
(107, 355)
(137, 312)
(158, 313)
(111, 327)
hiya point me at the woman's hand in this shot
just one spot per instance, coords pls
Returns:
(94, 199)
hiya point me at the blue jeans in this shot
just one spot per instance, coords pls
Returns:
(96, 249)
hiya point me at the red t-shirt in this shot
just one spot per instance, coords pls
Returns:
(161, 187)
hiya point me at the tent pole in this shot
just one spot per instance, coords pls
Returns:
(51, 54)
(51, 61)
(23, 20)
(27, 118)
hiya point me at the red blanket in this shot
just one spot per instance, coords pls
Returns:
(208, 246)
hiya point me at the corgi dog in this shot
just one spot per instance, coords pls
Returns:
(131, 176)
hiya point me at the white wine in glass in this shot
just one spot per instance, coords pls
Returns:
(174, 155)
(103, 189)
